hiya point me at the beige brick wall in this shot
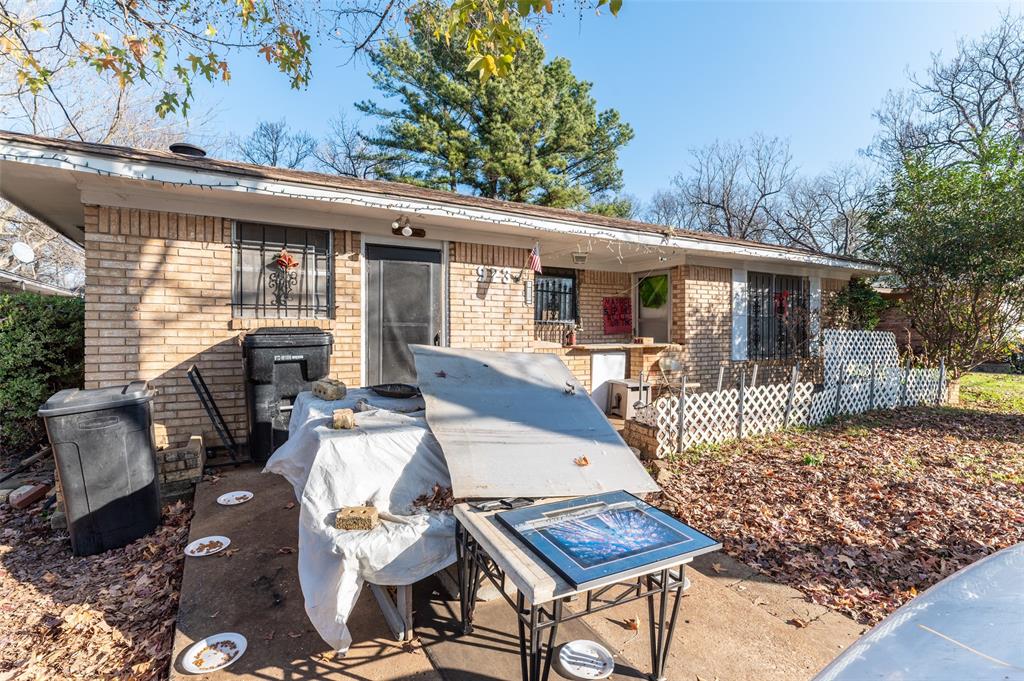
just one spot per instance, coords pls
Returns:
(594, 286)
(158, 299)
(492, 315)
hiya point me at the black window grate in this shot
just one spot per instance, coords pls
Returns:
(777, 316)
(555, 297)
(261, 288)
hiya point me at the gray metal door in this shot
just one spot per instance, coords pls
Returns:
(403, 306)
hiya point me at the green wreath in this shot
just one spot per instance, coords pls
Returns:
(654, 291)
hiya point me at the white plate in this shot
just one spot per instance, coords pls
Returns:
(235, 498)
(584, 659)
(213, 653)
(207, 546)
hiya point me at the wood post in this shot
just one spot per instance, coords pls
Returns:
(682, 414)
(942, 380)
(792, 393)
(739, 410)
(839, 392)
(721, 375)
(753, 378)
(906, 384)
(871, 394)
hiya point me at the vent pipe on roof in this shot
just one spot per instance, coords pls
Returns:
(186, 149)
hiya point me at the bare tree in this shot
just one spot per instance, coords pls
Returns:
(734, 185)
(668, 207)
(960, 103)
(344, 151)
(98, 111)
(827, 213)
(272, 143)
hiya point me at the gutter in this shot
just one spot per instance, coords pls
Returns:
(178, 176)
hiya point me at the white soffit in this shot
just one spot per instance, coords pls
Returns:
(169, 176)
(509, 427)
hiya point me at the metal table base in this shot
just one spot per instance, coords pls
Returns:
(538, 623)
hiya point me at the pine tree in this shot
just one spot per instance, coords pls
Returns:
(533, 136)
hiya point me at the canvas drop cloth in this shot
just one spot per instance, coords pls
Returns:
(389, 460)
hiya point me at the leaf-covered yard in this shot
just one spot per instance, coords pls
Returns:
(863, 514)
(109, 616)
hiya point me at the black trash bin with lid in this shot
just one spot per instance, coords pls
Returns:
(280, 362)
(102, 443)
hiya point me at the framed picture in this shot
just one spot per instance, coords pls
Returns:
(594, 537)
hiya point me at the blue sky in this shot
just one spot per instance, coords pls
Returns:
(684, 74)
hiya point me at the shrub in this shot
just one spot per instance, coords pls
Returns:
(42, 350)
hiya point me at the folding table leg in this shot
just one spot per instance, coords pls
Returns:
(661, 636)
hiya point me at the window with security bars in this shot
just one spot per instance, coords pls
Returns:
(555, 297)
(281, 272)
(777, 316)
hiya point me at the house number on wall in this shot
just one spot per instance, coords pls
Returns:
(502, 274)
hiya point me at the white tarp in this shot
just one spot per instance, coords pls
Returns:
(517, 424)
(388, 461)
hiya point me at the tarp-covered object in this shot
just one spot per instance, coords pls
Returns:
(519, 424)
(388, 461)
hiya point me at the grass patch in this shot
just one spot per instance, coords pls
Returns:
(993, 392)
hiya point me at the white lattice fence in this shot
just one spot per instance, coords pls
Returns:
(714, 417)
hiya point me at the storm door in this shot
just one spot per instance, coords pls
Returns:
(403, 307)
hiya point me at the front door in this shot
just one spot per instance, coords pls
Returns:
(403, 306)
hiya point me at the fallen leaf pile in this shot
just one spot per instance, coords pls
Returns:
(439, 499)
(109, 616)
(861, 515)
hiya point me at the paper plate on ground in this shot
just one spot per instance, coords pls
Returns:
(234, 498)
(584, 659)
(213, 653)
(207, 546)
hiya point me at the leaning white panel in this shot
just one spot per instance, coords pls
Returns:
(515, 424)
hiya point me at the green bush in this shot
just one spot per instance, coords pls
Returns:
(42, 350)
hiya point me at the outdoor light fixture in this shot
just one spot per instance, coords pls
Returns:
(579, 256)
(401, 227)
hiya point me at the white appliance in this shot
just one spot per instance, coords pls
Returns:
(605, 367)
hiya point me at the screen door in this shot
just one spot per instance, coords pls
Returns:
(654, 306)
(403, 306)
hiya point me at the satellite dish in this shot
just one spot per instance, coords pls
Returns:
(23, 252)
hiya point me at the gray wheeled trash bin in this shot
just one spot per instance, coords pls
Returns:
(102, 443)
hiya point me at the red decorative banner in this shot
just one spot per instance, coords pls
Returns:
(618, 315)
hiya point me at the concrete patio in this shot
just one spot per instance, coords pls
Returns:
(734, 624)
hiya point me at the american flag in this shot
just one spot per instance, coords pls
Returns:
(534, 263)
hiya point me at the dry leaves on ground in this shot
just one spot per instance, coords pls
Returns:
(109, 616)
(862, 515)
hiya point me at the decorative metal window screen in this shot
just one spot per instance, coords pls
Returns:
(260, 287)
(555, 297)
(777, 321)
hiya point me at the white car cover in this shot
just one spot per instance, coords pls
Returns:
(388, 460)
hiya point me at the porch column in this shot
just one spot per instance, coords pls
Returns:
(739, 315)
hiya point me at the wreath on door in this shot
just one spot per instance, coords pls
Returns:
(654, 291)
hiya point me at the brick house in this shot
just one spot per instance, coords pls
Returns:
(180, 263)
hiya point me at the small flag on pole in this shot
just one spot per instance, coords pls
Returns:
(534, 263)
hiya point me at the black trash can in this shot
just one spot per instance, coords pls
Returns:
(280, 362)
(102, 443)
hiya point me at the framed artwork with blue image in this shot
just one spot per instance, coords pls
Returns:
(593, 537)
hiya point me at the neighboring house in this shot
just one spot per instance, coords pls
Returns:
(895, 318)
(181, 254)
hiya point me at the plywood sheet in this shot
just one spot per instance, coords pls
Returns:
(514, 424)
